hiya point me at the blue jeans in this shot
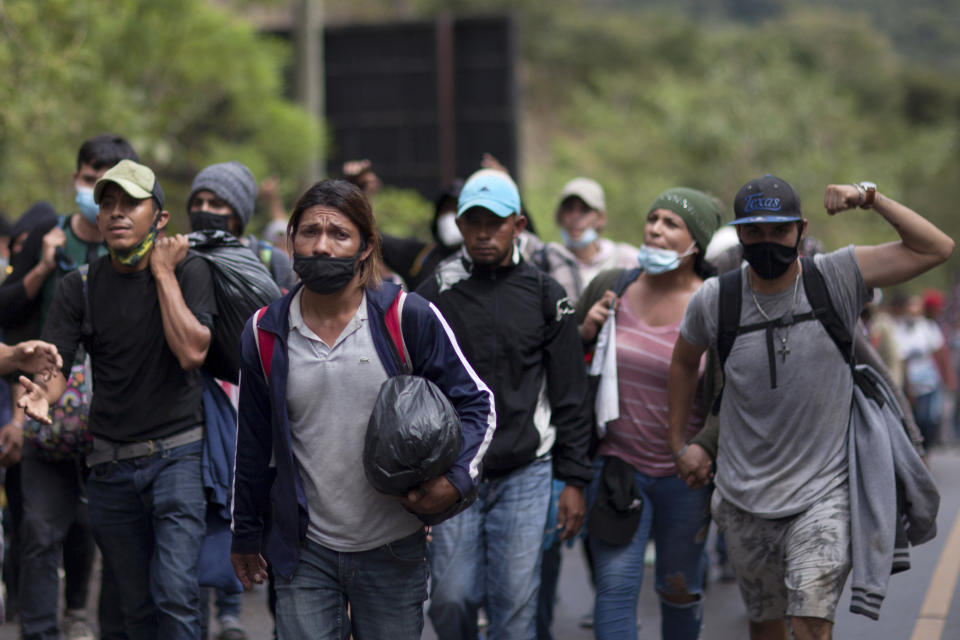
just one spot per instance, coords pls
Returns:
(149, 518)
(490, 555)
(927, 411)
(384, 588)
(678, 517)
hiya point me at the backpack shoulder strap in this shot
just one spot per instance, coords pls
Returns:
(265, 253)
(392, 319)
(540, 259)
(815, 287)
(730, 299)
(86, 326)
(265, 343)
(625, 279)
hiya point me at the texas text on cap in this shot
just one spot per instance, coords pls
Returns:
(768, 199)
(492, 190)
(587, 190)
(137, 180)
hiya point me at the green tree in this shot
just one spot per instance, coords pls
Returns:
(712, 94)
(186, 82)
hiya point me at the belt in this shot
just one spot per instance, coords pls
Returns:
(106, 451)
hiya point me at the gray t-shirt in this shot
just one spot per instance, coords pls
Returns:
(781, 449)
(331, 391)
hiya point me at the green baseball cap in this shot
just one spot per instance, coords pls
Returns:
(137, 180)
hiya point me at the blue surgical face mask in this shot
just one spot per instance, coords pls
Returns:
(88, 208)
(589, 237)
(654, 260)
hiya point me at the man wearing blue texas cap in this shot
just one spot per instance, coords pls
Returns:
(796, 503)
(515, 325)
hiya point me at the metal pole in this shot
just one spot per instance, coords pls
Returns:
(446, 117)
(308, 28)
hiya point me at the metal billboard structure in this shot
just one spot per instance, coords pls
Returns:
(422, 100)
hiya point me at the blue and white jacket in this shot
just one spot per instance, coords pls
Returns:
(270, 511)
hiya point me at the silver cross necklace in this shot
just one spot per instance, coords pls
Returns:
(788, 319)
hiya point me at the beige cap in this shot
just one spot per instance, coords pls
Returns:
(587, 190)
(137, 180)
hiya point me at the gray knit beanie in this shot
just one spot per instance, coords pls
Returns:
(233, 183)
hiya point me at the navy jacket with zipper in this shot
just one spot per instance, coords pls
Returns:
(270, 511)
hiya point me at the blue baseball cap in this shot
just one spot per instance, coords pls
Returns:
(492, 190)
(766, 200)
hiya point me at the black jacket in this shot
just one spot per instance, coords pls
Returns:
(517, 329)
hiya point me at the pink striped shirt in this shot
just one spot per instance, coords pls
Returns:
(639, 436)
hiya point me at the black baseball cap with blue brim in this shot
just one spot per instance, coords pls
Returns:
(766, 200)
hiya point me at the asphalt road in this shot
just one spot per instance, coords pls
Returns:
(921, 604)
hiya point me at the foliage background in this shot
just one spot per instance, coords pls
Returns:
(640, 95)
(188, 83)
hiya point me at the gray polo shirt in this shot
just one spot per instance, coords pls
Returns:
(782, 449)
(331, 390)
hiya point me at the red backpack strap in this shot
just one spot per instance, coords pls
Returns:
(392, 320)
(265, 341)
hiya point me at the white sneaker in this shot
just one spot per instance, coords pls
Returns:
(231, 629)
(77, 629)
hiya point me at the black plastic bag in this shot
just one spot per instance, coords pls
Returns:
(413, 435)
(241, 285)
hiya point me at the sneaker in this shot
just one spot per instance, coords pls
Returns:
(482, 620)
(650, 555)
(231, 629)
(77, 629)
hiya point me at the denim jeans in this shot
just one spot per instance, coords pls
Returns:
(490, 555)
(384, 589)
(149, 518)
(927, 411)
(55, 523)
(678, 518)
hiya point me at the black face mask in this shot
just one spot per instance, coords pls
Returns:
(325, 275)
(770, 260)
(204, 220)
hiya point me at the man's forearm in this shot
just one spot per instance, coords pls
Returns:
(187, 338)
(916, 232)
(34, 279)
(7, 363)
(681, 387)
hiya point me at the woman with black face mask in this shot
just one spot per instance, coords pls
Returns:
(313, 364)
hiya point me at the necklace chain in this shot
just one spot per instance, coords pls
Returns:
(783, 351)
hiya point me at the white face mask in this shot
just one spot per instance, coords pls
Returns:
(654, 260)
(447, 230)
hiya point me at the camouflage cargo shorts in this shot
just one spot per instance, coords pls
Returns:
(793, 566)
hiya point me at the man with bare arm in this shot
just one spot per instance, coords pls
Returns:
(782, 498)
